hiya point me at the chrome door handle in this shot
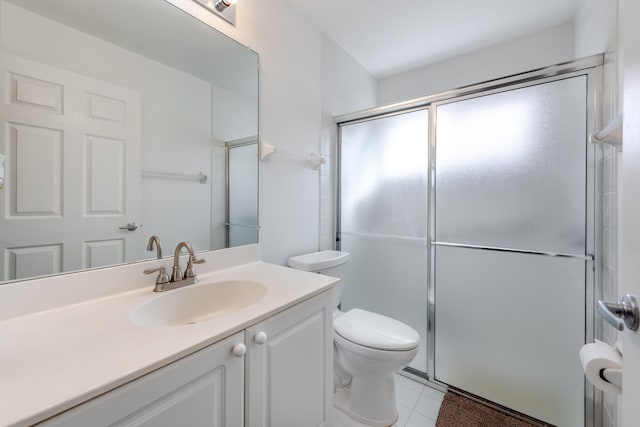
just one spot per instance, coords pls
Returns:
(620, 314)
(131, 227)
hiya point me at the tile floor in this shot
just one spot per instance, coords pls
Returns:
(418, 405)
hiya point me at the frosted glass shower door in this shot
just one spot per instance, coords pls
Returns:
(383, 188)
(510, 197)
(242, 194)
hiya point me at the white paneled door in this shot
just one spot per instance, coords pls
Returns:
(629, 231)
(72, 170)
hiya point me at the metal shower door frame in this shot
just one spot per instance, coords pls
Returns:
(237, 143)
(591, 67)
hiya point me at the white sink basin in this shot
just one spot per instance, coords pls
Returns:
(198, 302)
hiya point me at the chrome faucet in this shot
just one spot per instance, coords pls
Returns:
(155, 240)
(176, 272)
(177, 280)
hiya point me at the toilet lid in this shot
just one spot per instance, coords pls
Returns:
(375, 330)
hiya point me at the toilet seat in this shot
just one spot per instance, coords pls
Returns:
(373, 353)
(375, 331)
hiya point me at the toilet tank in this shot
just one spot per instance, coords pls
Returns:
(331, 263)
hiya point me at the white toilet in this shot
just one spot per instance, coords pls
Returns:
(368, 349)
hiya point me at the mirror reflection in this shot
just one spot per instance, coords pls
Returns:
(121, 120)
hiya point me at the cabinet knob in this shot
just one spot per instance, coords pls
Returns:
(260, 338)
(239, 350)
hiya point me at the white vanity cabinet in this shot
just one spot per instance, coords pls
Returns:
(203, 389)
(289, 367)
(278, 373)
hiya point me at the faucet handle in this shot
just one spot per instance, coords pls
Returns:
(190, 272)
(163, 277)
(195, 260)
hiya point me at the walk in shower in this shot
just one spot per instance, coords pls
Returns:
(470, 216)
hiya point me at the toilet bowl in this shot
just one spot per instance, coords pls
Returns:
(368, 349)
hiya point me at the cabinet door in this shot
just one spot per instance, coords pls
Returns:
(203, 389)
(289, 377)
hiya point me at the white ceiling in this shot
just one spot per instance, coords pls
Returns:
(388, 37)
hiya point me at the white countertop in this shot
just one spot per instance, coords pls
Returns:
(55, 359)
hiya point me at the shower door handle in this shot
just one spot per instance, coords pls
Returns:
(620, 314)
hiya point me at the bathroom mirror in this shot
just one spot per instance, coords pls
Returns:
(117, 121)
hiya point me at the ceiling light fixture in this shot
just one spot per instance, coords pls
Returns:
(225, 9)
(221, 5)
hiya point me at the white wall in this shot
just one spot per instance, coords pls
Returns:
(346, 87)
(595, 27)
(596, 31)
(291, 116)
(549, 47)
(290, 109)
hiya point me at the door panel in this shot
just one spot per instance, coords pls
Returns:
(105, 252)
(73, 163)
(37, 170)
(289, 371)
(629, 232)
(204, 389)
(105, 175)
(508, 329)
(394, 287)
(511, 173)
(34, 261)
(383, 186)
(511, 167)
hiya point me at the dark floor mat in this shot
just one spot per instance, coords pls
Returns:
(459, 411)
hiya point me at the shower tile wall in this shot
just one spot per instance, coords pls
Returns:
(327, 192)
(608, 166)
